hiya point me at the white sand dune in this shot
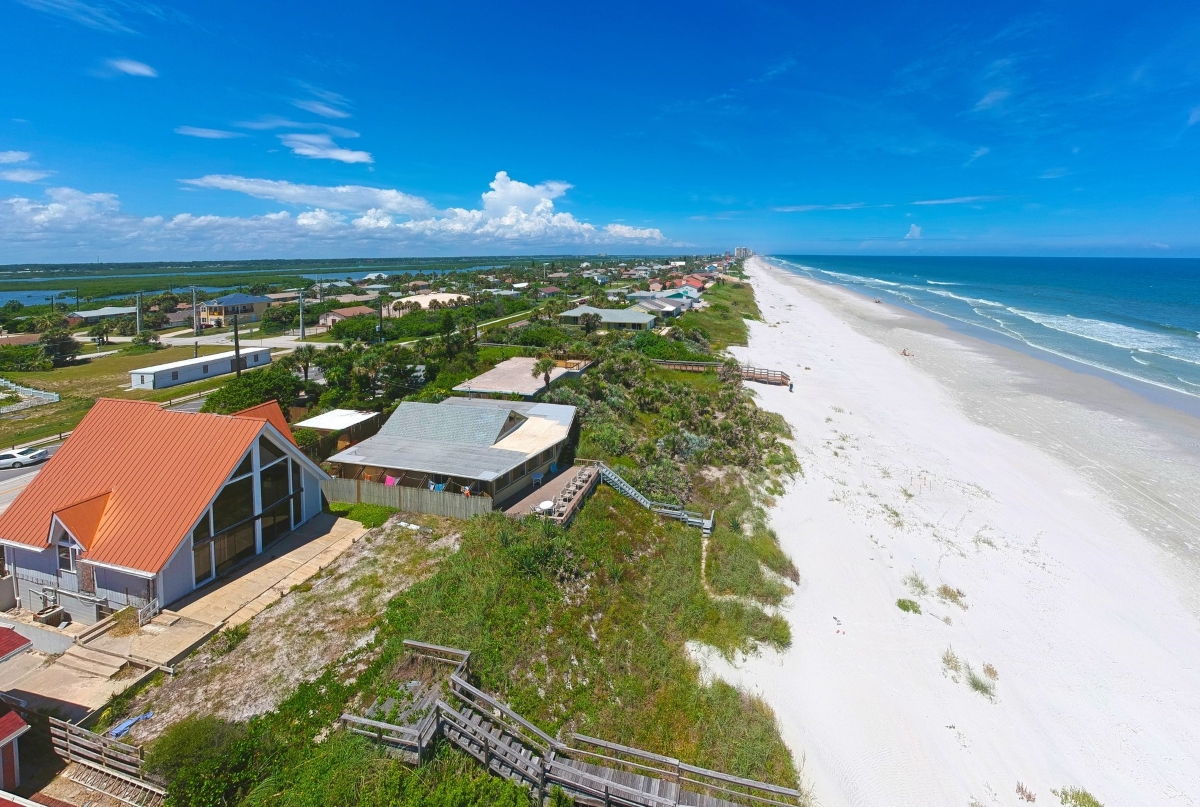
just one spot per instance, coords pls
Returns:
(1078, 570)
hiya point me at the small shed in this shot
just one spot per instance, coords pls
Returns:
(174, 373)
(12, 726)
(350, 425)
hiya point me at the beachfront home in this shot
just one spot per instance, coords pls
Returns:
(661, 306)
(160, 376)
(624, 319)
(119, 516)
(475, 447)
(515, 377)
(221, 311)
(548, 291)
(339, 314)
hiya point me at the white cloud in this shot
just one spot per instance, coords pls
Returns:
(957, 200)
(914, 232)
(9, 157)
(1053, 173)
(635, 233)
(982, 151)
(322, 147)
(207, 134)
(507, 194)
(275, 122)
(810, 208)
(1194, 117)
(374, 219)
(131, 68)
(991, 99)
(320, 219)
(93, 16)
(23, 175)
(69, 225)
(322, 109)
(357, 198)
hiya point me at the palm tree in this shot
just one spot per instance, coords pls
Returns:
(304, 356)
(589, 322)
(100, 332)
(542, 367)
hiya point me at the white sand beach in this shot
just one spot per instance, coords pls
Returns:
(1059, 504)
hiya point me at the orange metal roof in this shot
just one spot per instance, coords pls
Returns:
(129, 450)
(83, 518)
(273, 414)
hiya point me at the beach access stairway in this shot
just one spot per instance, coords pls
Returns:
(675, 511)
(749, 373)
(591, 771)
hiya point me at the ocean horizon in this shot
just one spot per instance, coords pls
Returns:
(1136, 317)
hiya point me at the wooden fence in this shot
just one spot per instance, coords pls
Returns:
(75, 744)
(412, 500)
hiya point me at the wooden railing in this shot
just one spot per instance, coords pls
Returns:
(592, 771)
(115, 758)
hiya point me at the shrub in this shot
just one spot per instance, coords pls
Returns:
(979, 684)
(950, 661)
(1076, 797)
(916, 584)
(272, 383)
(954, 595)
(911, 606)
(306, 437)
(23, 358)
(205, 761)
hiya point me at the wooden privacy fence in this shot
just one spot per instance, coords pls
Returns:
(412, 500)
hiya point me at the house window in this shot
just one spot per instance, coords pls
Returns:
(234, 504)
(202, 550)
(143, 381)
(66, 558)
(256, 358)
(204, 369)
(174, 375)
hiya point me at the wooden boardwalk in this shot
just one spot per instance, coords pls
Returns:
(749, 373)
(593, 772)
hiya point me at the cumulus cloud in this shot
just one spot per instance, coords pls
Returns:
(322, 147)
(9, 157)
(914, 232)
(355, 198)
(207, 134)
(23, 175)
(512, 215)
(131, 68)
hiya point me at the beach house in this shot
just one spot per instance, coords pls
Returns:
(221, 311)
(339, 314)
(144, 504)
(461, 446)
(622, 319)
(171, 374)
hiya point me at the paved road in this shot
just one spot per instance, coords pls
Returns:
(12, 473)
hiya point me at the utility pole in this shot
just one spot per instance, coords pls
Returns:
(195, 314)
(237, 348)
(139, 312)
(302, 315)
(379, 327)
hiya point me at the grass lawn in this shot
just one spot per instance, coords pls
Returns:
(82, 383)
(729, 304)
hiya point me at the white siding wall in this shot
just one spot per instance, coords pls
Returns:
(312, 495)
(33, 567)
(255, 358)
(176, 579)
(112, 585)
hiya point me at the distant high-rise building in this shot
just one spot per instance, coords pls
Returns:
(743, 252)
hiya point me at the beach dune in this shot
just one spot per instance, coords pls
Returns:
(1046, 541)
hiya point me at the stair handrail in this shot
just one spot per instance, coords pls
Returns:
(458, 683)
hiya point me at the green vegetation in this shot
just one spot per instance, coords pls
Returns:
(722, 322)
(369, 515)
(691, 346)
(916, 584)
(1076, 797)
(909, 606)
(979, 683)
(272, 383)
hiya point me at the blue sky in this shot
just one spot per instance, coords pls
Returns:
(143, 131)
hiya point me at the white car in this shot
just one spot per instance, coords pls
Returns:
(21, 457)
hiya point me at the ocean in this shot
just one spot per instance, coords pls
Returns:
(1138, 318)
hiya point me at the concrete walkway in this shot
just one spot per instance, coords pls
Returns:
(231, 601)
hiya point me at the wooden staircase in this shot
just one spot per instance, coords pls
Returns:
(675, 511)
